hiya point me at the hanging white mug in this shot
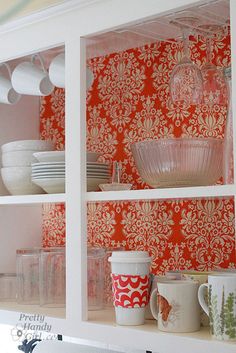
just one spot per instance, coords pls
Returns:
(7, 93)
(57, 71)
(28, 78)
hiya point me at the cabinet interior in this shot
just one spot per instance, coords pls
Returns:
(128, 101)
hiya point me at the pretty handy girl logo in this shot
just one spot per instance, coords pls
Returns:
(31, 327)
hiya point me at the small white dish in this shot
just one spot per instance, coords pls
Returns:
(115, 187)
(51, 186)
(50, 156)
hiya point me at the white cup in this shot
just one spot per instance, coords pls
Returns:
(57, 71)
(174, 304)
(7, 93)
(30, 79)
(130, 285)
(221, 304)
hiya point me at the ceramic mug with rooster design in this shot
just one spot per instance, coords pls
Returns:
(221, 307)
(130, 285)
(174, 304)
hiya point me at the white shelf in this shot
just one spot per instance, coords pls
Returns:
(32, 199)
(15, 314)
(168, 193)
(160, 342)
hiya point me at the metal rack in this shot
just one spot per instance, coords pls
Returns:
(161, 28)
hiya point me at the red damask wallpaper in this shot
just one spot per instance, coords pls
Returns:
(129, 101)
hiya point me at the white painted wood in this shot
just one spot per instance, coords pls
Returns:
(147, 337)
(62, 347)
(12, 315)
(161, 194)
(32, 199)
(84, 21)
(76, 229)
(36, 34)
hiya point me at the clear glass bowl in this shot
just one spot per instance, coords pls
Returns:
(179, 162)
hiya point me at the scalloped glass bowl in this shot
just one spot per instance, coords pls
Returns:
(179, 162)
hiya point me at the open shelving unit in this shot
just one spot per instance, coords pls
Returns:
(91, 34)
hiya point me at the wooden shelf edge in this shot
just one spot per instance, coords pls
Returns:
(148, 337)
(32, 199)
(160, 194)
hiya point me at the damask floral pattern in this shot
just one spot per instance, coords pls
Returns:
(129, 101)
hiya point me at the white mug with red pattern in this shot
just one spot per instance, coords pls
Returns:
(174, 304)
(130, 285)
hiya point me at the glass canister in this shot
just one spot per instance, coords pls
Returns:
(52, 277)
(27, 269)
(7, 286)
(95, 278)
(108, 295)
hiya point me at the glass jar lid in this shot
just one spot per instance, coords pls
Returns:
(28, 251)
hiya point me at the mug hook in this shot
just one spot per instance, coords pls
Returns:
(38, 56)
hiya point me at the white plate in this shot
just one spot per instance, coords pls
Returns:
(98, 175)
(48, 170)
(98, 170)
(98, 165)
(59, 175)
(44, 164)
(47, 175)
(50, 156)
(51, 186)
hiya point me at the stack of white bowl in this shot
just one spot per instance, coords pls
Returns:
(49, 171)
(17, 157)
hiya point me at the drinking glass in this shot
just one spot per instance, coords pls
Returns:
(95, 278)
(214, 84)
(186, 83)
(52, 277)
(27, 269)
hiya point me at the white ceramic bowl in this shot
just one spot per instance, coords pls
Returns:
(179, 162)
(93, 156)
(28, 145)
(51, 185)
(50, 156)
(17, 180)
(18, 159)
